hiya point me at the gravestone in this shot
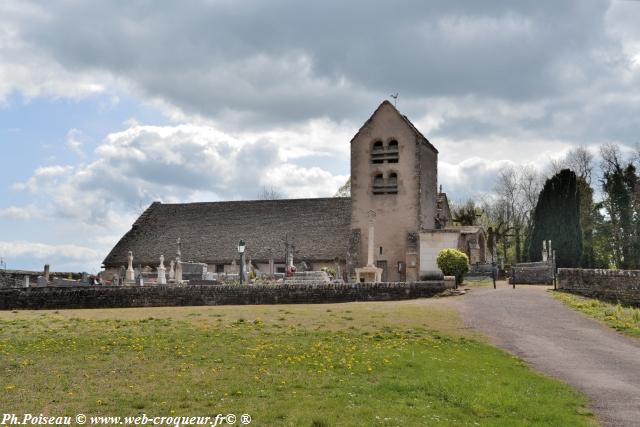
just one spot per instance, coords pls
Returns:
(162, 276)
(130, 275)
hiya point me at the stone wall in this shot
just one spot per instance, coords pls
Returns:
(621, 286)
(533, 273)
(213, 294)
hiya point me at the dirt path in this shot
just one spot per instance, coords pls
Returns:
(555, 340)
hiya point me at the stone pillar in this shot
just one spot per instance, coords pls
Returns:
(26, 281)
(544, 251)
(178, 269)
(370, 240)
(130, 275)
(162, 276)
(46, 273)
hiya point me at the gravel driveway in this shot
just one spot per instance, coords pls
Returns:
(594, 359)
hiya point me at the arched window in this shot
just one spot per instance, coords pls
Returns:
(392, 183)
(378, 184)
(385, 186)
(384, 154)
(392, 151)
(377, 153)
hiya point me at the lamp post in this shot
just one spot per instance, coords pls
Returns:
(241, 248)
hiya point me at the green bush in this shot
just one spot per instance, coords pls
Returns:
(329, 270)
(452, 262)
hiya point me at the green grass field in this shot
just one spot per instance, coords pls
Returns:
(622, 319)
(397, 363)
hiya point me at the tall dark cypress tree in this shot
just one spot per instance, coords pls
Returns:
(557, 218)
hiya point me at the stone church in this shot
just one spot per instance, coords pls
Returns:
(394, 171)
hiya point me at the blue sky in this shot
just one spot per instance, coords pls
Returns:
(105, 108)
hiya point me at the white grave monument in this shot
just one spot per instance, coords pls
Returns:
(370, 273)
(162, 275)
(172, 270)
(130, 275)
(178, 275)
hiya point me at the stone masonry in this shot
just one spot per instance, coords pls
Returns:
(621, 286)
(212, 294)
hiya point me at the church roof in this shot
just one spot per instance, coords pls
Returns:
(210, 232)
(415, 130)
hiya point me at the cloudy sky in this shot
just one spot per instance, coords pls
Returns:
(107, 106)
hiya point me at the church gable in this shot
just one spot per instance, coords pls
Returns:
(387, 116)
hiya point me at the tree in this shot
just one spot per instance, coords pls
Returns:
(579, 160)
(269, 193)
(619, 187)
(587, 221)
(557, 218)
(345, 190)
(467, 214)
(517, 191)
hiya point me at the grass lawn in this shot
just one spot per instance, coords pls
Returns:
(395, 363)
(620, 318)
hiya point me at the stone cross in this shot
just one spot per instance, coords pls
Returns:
(162, 276)
(130, 275)
(371, 244)
(178, 275)
(172, 271)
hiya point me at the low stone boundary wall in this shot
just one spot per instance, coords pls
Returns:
(532, 273)
(621, 286)
(159, 296)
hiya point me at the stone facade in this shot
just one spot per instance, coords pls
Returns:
(621, 286)
(393, 173)
(432, 242)
(212, 294)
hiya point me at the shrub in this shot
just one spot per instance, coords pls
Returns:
(329, 270)
(452, 262)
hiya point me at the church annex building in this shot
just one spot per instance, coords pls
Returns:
(394, 171)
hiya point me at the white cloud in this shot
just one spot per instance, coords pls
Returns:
(181, 163)
(60, 257)
(20, 213)
(74, 141)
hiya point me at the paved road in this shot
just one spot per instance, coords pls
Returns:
(555, 340)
